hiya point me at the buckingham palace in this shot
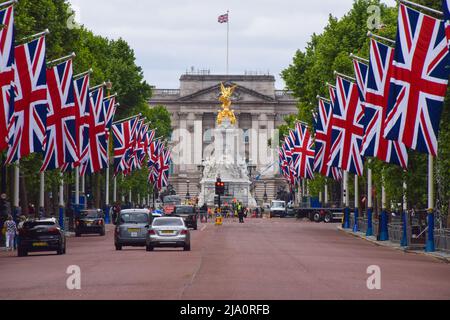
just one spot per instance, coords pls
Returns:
(259, 110)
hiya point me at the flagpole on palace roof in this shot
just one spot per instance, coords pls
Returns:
(228, 41)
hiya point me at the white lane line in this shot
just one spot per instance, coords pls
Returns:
(204, 227)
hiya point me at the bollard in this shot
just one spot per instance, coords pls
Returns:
(404, 242)
(347, 218)
(61, 218)
(384, 234)
(430, 234)
(369, 231)
(355, 226)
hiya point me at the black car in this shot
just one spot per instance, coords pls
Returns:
(41, 236)
(90, 222)
(189, 215)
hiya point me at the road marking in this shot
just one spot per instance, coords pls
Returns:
(204, 227)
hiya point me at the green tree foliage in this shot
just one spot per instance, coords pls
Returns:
(112, 60)
(313, 67)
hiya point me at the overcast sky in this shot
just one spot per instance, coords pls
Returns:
(171, 36)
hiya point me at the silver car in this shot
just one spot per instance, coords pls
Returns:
(132, 228)
(168, 232)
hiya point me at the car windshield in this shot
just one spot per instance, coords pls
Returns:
(91, 214)
(134, 217)
(172, 200)
(184, 210)
(278, 205)
(168, 222)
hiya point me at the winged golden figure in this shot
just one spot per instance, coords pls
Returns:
(225, 98)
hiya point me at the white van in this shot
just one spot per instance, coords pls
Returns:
(278, 209)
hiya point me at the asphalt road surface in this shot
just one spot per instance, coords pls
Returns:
(259, 260)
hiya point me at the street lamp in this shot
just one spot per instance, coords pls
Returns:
(265, 198)
(188, 196)
(201, 169)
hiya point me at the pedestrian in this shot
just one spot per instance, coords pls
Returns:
(241, 212)
(10, 231)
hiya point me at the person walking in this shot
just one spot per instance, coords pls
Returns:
(241, 212)
(11, 230)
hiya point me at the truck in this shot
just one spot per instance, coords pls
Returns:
(278, 208)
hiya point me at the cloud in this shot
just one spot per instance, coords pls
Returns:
(171, 36)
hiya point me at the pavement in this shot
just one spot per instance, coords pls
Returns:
(263, 259)
(441, 255)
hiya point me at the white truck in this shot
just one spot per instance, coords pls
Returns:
(278, 208)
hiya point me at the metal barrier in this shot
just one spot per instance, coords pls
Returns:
(362, 224)
(395, 232)
(442, 239)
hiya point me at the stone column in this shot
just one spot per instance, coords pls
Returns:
(198, 139)
(184, 143)
(254, 137)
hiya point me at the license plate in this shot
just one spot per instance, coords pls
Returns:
(167, 232)
(134, 234)
(40, 244)
(88, 224)
(133, 230)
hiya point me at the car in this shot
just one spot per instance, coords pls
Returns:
(169, 232)
(131, 228)
(189, 215)
(90, 222)
(41, 235)
(278, 208)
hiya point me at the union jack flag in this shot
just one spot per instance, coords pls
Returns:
(361, 70)
(98, 147)
(284, 166)
(376, 97)
(28, 122)
(302, 152)
(164, 163)
(6, 73)
(123, 139)
(109, 111)
(60, 139)
(287, 153)
(223, 18)
(323, 140)
(154, 152)
(419, 81)
(133, 161)
(347, 128)
(81, 90)
(149, 137)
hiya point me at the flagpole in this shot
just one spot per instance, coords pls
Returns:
(405, 218)
(61, 203)
(77, 189)
(430, 236)
(7, 3)
(228, 41)
(355, 226)
(42, 191)
(16, 188)
(369, 231)
(347, 202)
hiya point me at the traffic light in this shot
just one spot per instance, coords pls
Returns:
(220, 187)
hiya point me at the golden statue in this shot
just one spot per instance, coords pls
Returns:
(225, 98)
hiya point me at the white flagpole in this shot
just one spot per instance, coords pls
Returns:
(115, 190)
(16, 187)
(355, 227)
(228, 41)
(430, 247)
(384, 235)
(77, 188)
(61, 203)
(41, 190)
(326, 194)
(347, 202)
(369, 231)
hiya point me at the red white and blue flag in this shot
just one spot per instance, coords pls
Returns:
(81, 91)
(223, 18)
(134, 161)
(322, 129)
(376, 99)
(419, 81)
(28, 122)
(98, 148)
(123, 134)
(164, 163)
(347, 126)
(110, 106)
(302, 152)
(6, 73)
(60, 139)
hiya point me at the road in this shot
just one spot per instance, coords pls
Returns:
(259, 260)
